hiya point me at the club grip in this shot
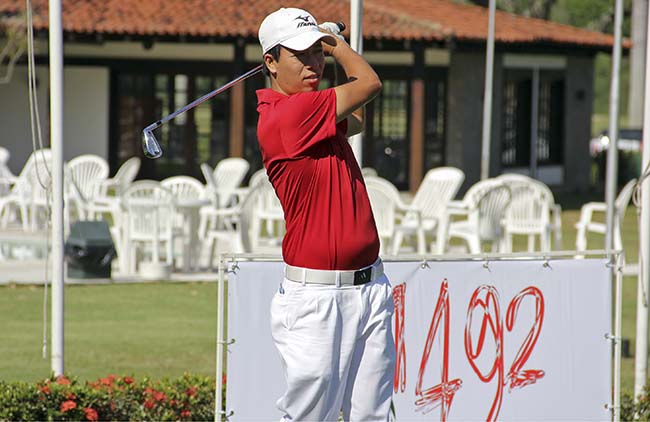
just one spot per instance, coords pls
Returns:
(341, 26)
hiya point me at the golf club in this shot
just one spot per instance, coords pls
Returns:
(150, 144)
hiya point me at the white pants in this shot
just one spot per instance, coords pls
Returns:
(337, 350)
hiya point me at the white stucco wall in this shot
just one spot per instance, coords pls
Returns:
(15, 134)
(86, 108)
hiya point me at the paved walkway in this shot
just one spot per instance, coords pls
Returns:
(34, 271)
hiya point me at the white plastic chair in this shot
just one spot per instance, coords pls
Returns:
(210, 218)
(124, 176)
(107, 202)
(555, 209)
(236, 238)
(438, 187)
(586, 224)
(259, 176)
(27, 199)
(529, 213)
(7, 178)
(84, 175)
(148, 222)
(386, 204)
(184, 188)
(368, 172)
(484, 206)
(228, 176)
(267, 212)
(221, 187)
(189, 196)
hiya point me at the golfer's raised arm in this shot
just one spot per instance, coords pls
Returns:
(363, 83)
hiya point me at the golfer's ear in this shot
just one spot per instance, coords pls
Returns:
(270, 63)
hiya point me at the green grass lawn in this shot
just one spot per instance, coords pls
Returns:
(154, 329)
(166, 329)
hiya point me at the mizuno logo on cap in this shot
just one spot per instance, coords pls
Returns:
(304, 21)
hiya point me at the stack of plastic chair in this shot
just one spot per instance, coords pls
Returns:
(27, 200)
(84, 175)
(386, 205)
(184, 188)
(124, 176)
(106, 205)
(235, 237)
(587, 223)
(424, 214)
(484, 207)
(529, 213)
(7, 178)
(267, 214)
(148, 223)
(222, 185)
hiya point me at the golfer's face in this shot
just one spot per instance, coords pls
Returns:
(300, 71)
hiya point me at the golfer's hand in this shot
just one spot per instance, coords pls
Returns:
(334, 30)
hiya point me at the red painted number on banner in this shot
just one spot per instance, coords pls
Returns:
(486, 299)
(485, 309)
(440, 395)
(399, 380)
(520, 378)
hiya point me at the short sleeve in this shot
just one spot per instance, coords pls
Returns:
(310, 118)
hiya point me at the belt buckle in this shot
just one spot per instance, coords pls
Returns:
(362, 276)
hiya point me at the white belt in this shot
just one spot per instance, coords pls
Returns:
(345, 278)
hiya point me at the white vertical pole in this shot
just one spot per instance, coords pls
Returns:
(641, 353)
(221, 320)
(617, 269)
(487, 95)
(356, 42)
(534, 123)
(56, 143)
(612, 150)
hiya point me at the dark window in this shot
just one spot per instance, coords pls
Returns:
(251, 146)
(134, 106)
(199, 135)
(516, 119)
(434, 120)
(387, 140)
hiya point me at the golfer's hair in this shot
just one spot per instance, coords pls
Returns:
(275, 53)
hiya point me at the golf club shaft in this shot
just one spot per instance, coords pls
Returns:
(204, 98)
(151, 146)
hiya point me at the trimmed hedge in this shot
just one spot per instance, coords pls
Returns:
(112, 398)
(189, 398)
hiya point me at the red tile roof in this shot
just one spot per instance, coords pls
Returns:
(431, 20)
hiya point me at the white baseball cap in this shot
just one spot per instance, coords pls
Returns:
(292, 28)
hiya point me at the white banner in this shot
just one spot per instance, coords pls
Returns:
(510, 340)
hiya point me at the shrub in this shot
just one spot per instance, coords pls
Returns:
(642, 407)
(190, 397)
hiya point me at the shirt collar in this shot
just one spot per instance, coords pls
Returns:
(268, 95)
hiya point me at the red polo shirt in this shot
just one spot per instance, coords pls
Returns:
(329, 221)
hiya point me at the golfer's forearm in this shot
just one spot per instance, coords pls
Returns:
(355, 119)
(362, 84)
(357, 70)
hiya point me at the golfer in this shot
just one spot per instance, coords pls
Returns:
(331, 315)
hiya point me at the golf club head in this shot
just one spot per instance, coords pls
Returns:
(150, 145)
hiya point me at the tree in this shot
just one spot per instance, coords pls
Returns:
(597, 15)
(532, 8)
